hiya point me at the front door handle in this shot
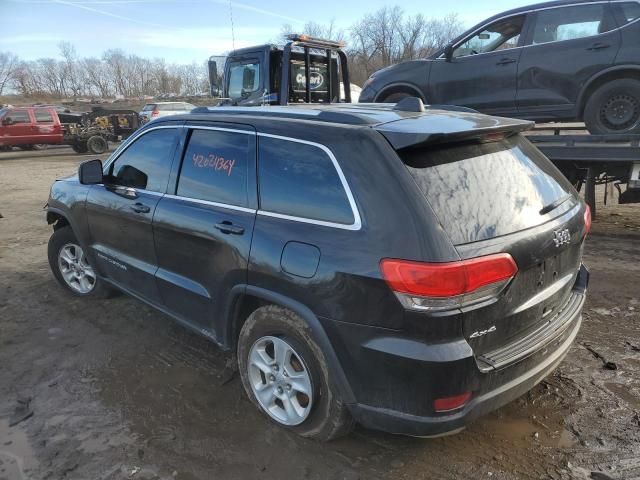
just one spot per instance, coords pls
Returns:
(140, 208)
(598, 46)
(228, 227)
(506, 61)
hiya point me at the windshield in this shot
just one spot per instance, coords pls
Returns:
(484, 190)
(3, 111)
(148, 107)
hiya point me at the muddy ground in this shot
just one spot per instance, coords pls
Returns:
(119, 391)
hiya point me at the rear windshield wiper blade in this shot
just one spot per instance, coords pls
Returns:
(555, 204)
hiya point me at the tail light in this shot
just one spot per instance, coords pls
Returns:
(587, 220)
(444, 286)
(155, 112)
(451, 403)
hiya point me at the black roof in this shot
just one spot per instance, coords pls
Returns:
(400, 127)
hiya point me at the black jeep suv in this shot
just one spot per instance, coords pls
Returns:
(562, 60)
(402, 267)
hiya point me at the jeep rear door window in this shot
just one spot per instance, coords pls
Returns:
(500, 35)
(43, 116)
(145, 164)
(568, 23)
(215, 167)
(300, 180)
(484, 190)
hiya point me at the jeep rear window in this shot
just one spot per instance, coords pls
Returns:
(300, 180)
(484, 190)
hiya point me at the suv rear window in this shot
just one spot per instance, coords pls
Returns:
(484, 190)
(148, 107)
(300, 180)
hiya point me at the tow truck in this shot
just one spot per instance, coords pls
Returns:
(305, 70)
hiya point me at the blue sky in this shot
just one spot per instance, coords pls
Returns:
(183, 31)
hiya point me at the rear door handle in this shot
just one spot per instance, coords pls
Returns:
(140, 208)
(506, 61)
(228, 227)
(598, 46)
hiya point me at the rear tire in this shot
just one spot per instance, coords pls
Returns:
(321, 415)
(97, 145)
(614, 108)
(71, 267)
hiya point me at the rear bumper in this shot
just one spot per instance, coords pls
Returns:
(417, 373)
(426, 426)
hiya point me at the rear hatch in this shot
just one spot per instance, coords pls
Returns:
(499, 194)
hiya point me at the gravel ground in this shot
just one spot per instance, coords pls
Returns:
(118, 390)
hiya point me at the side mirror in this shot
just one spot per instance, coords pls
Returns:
(7, 121)
(90, 172)
(448, 53)
(213, 78)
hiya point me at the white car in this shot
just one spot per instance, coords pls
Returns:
(163, 109)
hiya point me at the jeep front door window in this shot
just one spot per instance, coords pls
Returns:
(244, 79)
(501, 35)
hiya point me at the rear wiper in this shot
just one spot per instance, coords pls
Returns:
(555, 204)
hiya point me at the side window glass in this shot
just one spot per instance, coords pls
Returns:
(501, 35)
(215, 167)
(244, 79)
(569, 23)
(630, 11)
(145, 164)
(300, 180)
(43, 116)
(19, 116)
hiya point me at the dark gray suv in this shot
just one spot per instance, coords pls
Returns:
(562, 60)
(436, 248)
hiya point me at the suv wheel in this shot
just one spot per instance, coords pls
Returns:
(614, 108)
(71, 268)
(286, 376)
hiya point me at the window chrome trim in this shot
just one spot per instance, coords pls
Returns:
(213, 204)
(221, 129)
(357, 221)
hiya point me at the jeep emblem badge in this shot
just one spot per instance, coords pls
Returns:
(561, 237)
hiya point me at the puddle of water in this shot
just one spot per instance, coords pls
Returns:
(527, 432)
(17, 458)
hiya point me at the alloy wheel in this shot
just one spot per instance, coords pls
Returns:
(280, 380)
(75, 269)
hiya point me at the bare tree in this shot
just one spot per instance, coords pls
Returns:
(8, 66)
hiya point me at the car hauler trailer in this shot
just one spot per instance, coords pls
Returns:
(589, 160)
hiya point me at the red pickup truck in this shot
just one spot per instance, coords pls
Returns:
(26, 127)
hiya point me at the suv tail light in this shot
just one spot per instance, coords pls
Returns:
(155, 112)
(587, 220)
(444, 286)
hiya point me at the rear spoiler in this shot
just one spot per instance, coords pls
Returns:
(446, 125)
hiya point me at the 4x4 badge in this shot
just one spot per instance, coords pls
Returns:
(481, 333)
(561, 237)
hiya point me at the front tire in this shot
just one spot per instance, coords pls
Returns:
(80, 147)
(71, 268)
(614, 108)
(285, 374)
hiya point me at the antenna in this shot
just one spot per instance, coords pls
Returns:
(233, 36)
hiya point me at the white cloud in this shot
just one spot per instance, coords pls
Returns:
(31, 38)
(210, 40)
